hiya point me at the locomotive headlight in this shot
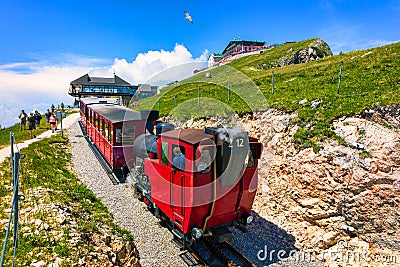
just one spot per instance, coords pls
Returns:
(249, 219)
(197, 233)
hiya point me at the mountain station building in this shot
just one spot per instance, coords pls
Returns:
(233, 49)
(87, 86)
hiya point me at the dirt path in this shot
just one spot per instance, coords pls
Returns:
(67, 122)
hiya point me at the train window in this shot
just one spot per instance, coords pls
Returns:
(111, 135)
(128, 135)
(250, 157)
(95, 121)
(178, 157)
(204, 159)
(164, 153)
(107, 131)
(118, 135)
(125, 135)
(100, 126)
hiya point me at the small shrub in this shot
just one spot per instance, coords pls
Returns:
(364, 154)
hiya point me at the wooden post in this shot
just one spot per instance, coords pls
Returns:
(229, 92)
(273, 82)
(340, 76)
(198, 95)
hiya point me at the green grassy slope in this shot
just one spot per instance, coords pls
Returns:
(47, 169)
(369, 76)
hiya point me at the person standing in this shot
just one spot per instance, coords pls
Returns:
(32, 125)
(62, 106)
(38, 118)
(22, 116)
(52, 108)
(53, 122)
(47, 114)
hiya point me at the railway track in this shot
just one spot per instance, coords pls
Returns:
(207, 252)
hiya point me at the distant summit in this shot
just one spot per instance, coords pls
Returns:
(240, 48)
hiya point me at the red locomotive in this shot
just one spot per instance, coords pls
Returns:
(198, 181)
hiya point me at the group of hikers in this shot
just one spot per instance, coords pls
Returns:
(33, 120)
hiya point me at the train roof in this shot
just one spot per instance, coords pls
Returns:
(98, 100)
(116, 113)
(191, 136)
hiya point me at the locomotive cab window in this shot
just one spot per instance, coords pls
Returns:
(204, 157)
(164, 153)
(178, 159)
(250, 159)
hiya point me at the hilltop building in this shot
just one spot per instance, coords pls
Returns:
(213, 59)
(86, 86)
(233, 49)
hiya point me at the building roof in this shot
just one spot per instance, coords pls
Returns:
(87, 80)
(98, 100)
(116, 113)
(234, 43)
(191, 136)
(145, 88)
(216, 56)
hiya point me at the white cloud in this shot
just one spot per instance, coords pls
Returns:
(151, 63)
(29, 85)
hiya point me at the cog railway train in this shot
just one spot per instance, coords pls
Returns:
(198, 182)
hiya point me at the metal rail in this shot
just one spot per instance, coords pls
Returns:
(208, 252)
(16, 158)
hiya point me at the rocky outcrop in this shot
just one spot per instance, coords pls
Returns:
(344, 195)
(317, 49)
(384, 115)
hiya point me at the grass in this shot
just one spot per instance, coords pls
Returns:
(23, 135)
(369, 76)
(47, 179)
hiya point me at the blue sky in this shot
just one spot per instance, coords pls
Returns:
(46, 44)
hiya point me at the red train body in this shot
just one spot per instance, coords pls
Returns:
(112, 129)
(211, 188)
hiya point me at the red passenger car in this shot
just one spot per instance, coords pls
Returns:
(113, 129)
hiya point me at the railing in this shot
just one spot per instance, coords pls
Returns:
(16, 157)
